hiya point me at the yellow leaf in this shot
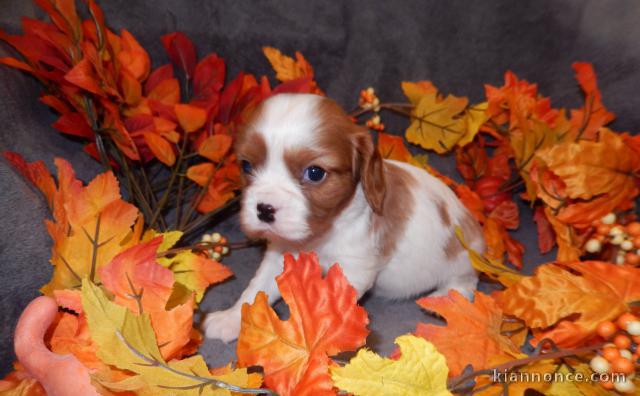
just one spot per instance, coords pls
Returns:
(421, 370)
(438, 124)
(127, 341)
(414, 91)
(576, 387)
(99, 225)
(494, 269)
(475, 116)
(287, 68)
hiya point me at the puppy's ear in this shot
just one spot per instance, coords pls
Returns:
(368, 164)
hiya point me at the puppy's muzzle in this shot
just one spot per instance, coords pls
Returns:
(266, 212)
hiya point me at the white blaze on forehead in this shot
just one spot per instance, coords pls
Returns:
(288, 120)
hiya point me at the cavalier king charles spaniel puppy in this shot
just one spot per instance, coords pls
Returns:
(314, 181)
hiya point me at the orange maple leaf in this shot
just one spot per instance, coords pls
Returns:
(586, 122)
(325, 319)
(585, 180)
(573, 303)
(289, 69)
(142, 285)
(478, 323)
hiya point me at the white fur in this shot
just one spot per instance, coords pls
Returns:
(417, 264)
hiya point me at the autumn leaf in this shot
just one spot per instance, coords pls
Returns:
(486, 386)
(393, 148)
(586, 122)
(324, 319)
(612, 169)
(573, 303)
(160, 148)
(181, 51)
(215, 147)
(83, 76)
(420, 370)
(133, 57)
(127, 341)
(190, 117)
(494, 269)
(289, 69)
(478, 322)
(546, 233)
(99, 224)
(414, 91)
(438, 124)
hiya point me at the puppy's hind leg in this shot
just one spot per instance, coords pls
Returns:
(465, 284)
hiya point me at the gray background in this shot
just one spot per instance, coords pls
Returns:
(459, 45)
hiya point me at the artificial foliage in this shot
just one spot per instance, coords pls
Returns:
(127, 279)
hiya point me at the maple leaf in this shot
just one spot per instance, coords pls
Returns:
(612, 169)
(586, 122)
(414, 91)
(420, 370)
(479, 323)
(141, 284)
(324, 319)
(289, 69)
(487, 386)
(438, 124)
(95, 224)
(573, 303)
(127, 341)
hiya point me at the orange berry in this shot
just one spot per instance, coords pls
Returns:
(622, 341)
(636, 339)
(624, 319)
(606, 329)
(606, 385)
(223, 241)
(218, 249)
(622, 365)
(636, 242)
(603, 229)
(632, 259)
(611, 353)
(633, 228)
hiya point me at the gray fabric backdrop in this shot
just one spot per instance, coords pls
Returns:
(459, 45)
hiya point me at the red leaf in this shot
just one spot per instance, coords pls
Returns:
(597, 114)
(209, 76)
(181, 51)
(74, 124)
(83, 76)
(55, 103)
(546, 235)
(162, 73)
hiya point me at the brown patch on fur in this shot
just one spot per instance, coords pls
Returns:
(470, 230)
(444, 213)
(250, 145)
(398, 205)
(334, 153)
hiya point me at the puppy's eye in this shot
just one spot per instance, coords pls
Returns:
(314, 174)
(246, 166)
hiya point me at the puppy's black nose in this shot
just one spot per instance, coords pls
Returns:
(266, 212)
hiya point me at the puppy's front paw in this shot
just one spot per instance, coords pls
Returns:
(222, 325)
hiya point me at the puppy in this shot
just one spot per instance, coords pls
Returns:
(315, 182)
